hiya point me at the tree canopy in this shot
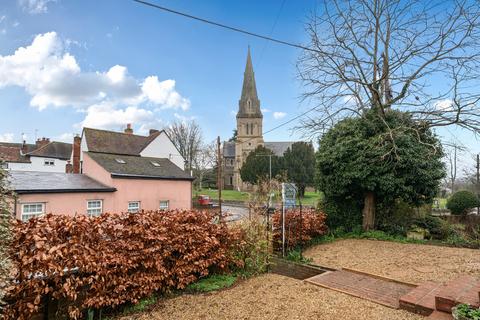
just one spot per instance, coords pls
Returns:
(257, 165)
(299, 162)
(376, 159)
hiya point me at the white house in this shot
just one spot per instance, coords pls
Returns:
(44, 156)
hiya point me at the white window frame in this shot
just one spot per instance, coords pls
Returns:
(133, 210)
(49, 162)
(32, 214)
(163, 202)
(94, 211)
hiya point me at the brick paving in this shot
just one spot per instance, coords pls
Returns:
(380, 290)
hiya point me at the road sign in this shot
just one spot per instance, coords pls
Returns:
(289, 192)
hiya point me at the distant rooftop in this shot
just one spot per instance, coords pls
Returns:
(52, 182)
(139, 167)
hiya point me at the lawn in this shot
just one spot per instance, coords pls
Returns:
(310, 199)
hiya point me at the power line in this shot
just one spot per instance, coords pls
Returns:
(221, 25)
(271, 31)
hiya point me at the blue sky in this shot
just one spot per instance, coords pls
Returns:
(106, 63)
(205, 62)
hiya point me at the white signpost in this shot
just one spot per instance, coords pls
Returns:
(289, 192)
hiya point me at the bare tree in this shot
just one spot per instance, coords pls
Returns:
(382, 54)
(187, 137)
(452, 151)
(205, 160)
(387, 54)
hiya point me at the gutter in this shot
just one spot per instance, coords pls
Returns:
(41, 191)
(139, 176)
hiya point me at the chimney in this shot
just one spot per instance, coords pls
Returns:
(153, 131)
(24, 147)
(129, 129)
(76, 154)
(42, 142)
(68, 167)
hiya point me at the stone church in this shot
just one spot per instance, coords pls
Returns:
(249, 132)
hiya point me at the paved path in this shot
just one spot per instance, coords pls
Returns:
(235, 213)
(381, 290)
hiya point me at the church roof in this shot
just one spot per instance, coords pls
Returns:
(279, 147)
(229, 149)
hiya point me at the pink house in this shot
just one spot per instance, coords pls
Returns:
(110, 172)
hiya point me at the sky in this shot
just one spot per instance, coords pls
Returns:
(103, 64)
(67, 64)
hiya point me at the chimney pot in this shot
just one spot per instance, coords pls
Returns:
(153, 131)
(129, 129)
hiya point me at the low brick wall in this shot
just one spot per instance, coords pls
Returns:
(295, 270)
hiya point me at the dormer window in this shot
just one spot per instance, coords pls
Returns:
(121, 161)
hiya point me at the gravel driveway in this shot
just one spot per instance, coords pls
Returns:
(408, 262)
(272, 296)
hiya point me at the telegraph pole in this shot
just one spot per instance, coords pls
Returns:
(478, 182)
(219, 178)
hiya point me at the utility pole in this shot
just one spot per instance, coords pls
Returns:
(478, 182)
(219, 178)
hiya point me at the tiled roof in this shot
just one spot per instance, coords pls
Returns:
(139, 167)
(11, 152)
(229, 149)
(116, 142)
(279, 148)
(53, 182)
(59, 150)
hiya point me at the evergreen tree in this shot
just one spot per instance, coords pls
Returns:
(299, 161)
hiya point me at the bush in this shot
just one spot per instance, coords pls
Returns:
(301, 227)
(112, 259)
(461, 202)
(342, 213)
(249, 248)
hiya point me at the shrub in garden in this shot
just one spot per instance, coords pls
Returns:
(249, 247)
(301, 227)
(112, 259)
(461, 202)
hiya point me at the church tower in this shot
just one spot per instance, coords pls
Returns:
(249, 122)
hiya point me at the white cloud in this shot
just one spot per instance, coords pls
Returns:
(6, 137)
(64, 137)
(183, 118)
(443, 105)
(279, 115)
(107, 116)
(35, 6)
(265, 110)
(53, 78)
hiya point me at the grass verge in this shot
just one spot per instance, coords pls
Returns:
(212, 283)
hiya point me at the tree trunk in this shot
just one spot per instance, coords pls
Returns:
(369, 212)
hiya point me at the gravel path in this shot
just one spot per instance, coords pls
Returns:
(408, 262)
(272, 296)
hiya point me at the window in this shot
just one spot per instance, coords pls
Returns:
(94, 208)
(48, 162)
(164, 205)
(155, 164)
(134, 206)
(31, 210)
(121, 161)
(4, 165)
(231, 180)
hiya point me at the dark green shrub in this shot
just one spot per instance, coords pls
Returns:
(342, 213)
(461, 202)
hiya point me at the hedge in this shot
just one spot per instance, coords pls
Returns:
(301, 226)
(112, 259)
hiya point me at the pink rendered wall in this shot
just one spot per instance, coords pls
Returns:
(148, 191)
(65, 203)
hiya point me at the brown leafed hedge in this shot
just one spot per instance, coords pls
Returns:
(112, 259)
(300, 227)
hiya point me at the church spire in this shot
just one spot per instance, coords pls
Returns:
(249, 105)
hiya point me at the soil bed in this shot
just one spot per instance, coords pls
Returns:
(406, 262)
